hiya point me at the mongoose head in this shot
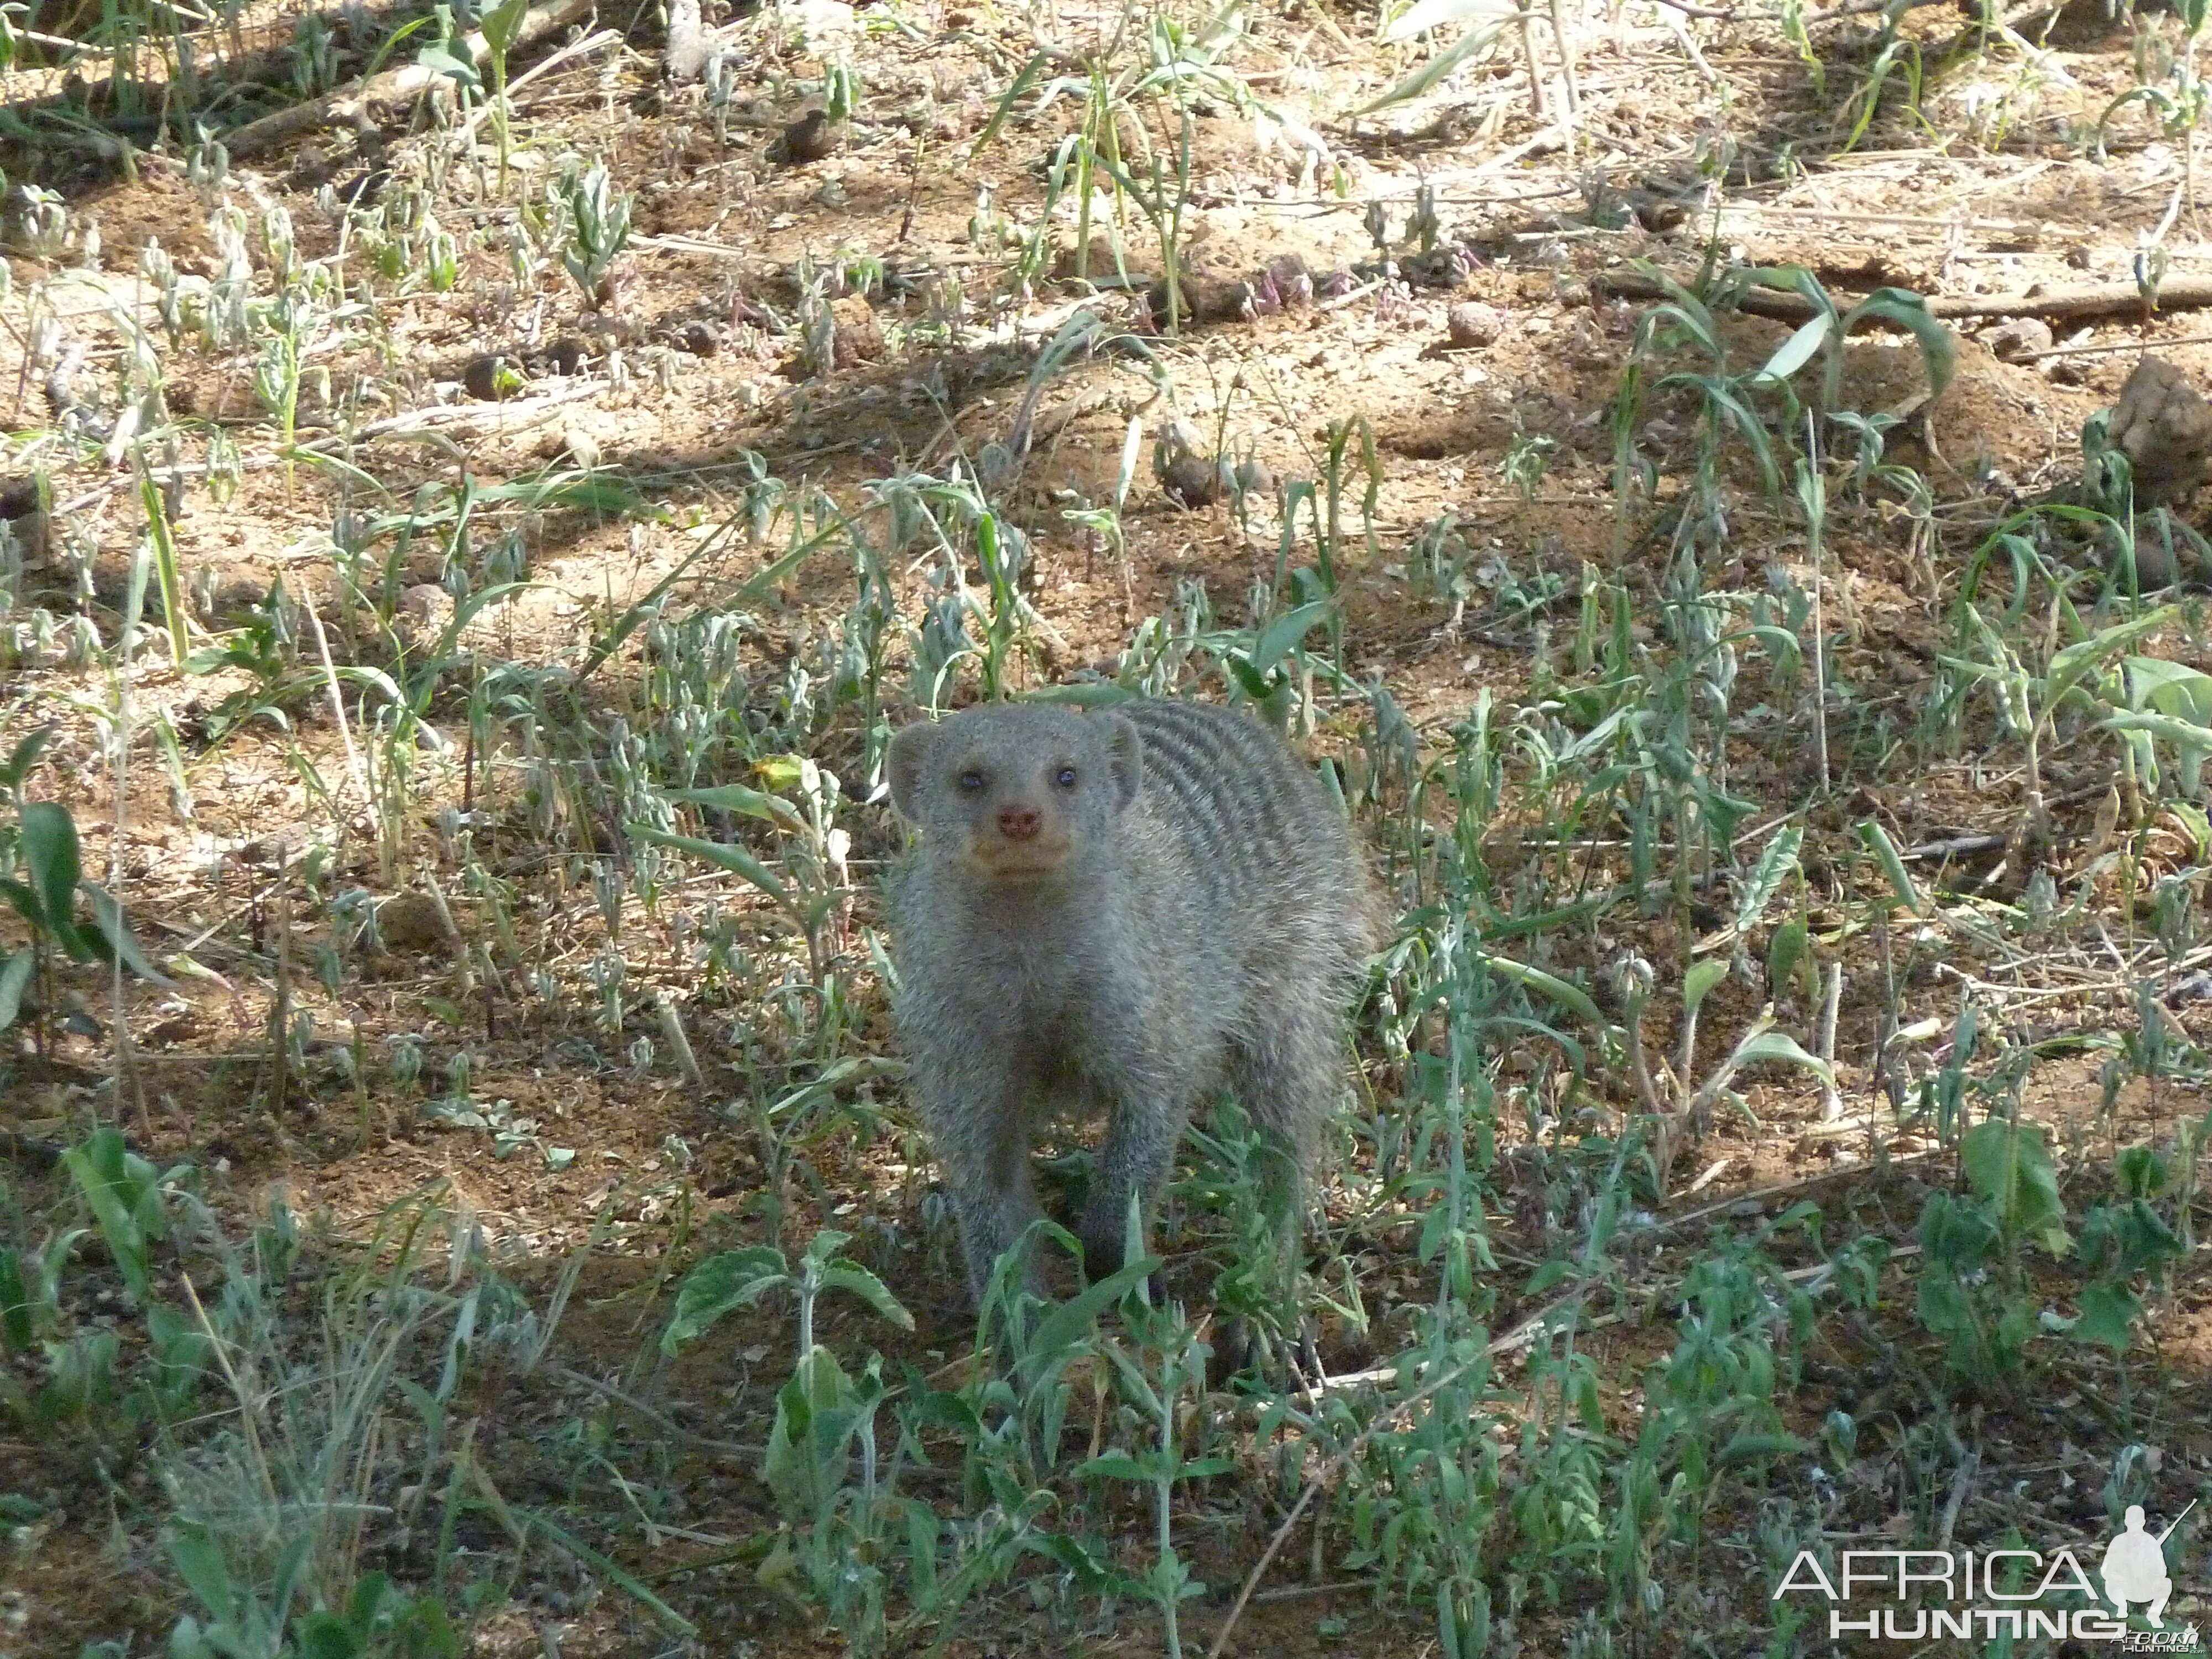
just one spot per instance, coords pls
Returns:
(1017, 790)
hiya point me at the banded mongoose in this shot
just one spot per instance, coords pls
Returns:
(1125, 911)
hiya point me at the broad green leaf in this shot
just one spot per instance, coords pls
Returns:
(119, 1190)
(1276, 639)
(2141, 1171)
(732, 1279)
(2076, 662)
(2193, 820)
(1792, 279)
(24, 755)
(1788, 950)
(2171, 687)
(1876, 840)
(2109, 1311)
(1535, 979)
(323, 1635)
(851, 1276)
(1114, 1466)
(50, 850)
(110, 929)
(25, 902)
(14, 979)
(1060, 1329)
(1775, 861)
(737, 797)
(1759, 1449)
(2009, 1169)
(726, 855)
(1775, 1045)
(1905, 309)
(440, 57)
(2190, 743)
(1700, 980)
(1080, 696)
(200, 1564)
(500, 23)
(1797, 350)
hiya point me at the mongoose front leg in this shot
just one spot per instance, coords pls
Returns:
(1140, 1143)
(978, 1122)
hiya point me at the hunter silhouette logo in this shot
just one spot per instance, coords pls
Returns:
(2013, 1591)
(2135, 1567)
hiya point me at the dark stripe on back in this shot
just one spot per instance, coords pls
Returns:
(1198, 788)
(1239, 798)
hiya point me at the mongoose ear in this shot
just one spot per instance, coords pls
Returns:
(903, 765)
(1125, 756)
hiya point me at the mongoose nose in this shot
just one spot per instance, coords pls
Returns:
(1019, 822)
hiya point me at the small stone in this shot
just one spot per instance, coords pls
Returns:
(423, 609)
(411, 921)
(1192, 480)
(2164, 427)
(1200, 299)
(1069, 258)
(25, 521)
(363, 188)
(811, 137)
(490, 377)
(1655, 212)
(1471, 324)
(2020, 338)
(859, 335)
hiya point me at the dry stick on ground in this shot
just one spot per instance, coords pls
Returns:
(1832, 1099)
(360, 778)
(2090, 300)
(280, 1006)
(2108, 349)
(574, 48)
(393, 86)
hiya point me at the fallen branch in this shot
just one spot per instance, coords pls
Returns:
(2089, 300)
(395, 86)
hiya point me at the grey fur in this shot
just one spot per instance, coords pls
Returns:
(1188, 910)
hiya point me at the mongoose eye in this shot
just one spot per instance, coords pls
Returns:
(1065, 777)
(971, 780)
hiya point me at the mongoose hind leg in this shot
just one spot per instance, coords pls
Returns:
(1287, 1075)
